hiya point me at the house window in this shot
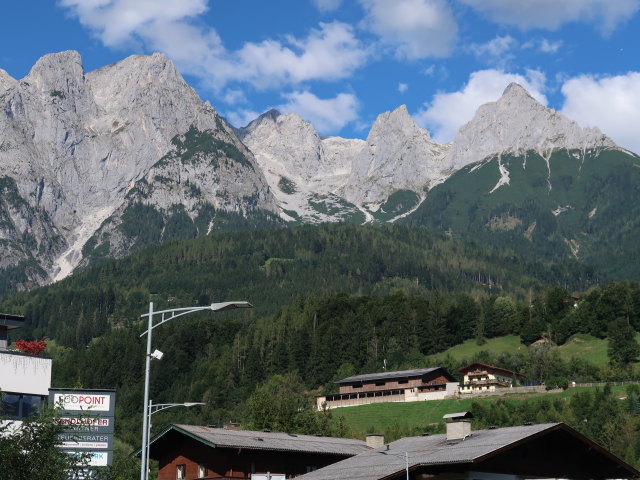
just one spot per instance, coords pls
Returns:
(357, 385)
(402, 382)
(381, 384)
(11, 405)
(181, 472)
(202, 471)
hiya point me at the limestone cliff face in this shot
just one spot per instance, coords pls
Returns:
(301, 167)
(75, 144)
(517, 123)
(398, 155)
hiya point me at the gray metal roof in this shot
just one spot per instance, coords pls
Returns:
(458, 415)
(247, 439)
(428, 450)
(385, 375)
(10, 320)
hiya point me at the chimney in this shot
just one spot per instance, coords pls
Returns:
(231, 426)
(458, 425)
(374, 440)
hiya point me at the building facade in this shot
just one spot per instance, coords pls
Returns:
(189, 452)
(400, 386)
(24, 379)
(480, 377)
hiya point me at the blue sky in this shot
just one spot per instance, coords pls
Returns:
(339, 63)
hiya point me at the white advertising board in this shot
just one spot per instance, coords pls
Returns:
(93, 402)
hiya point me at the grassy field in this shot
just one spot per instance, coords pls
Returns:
(592, 349)
(507, 344)
(427, 416)
(587, 347)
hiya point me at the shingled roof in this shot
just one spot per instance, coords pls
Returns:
(368, 377)
(436, 451)
(273, 441)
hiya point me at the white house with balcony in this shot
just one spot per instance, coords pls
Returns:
(24, 379)
(482, 378)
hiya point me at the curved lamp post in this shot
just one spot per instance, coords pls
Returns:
(155, 408)
(165, 316)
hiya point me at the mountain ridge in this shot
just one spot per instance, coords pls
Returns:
(84, 154)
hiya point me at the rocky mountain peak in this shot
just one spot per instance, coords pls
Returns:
(396, 121)
(6, 81)
(56, 71)
(398, 155)
(517, 123)
(514, 89)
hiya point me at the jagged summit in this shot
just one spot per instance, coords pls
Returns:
(77, 143)
(6, 81)
(518, 123)
(398, 155)
(514, 89)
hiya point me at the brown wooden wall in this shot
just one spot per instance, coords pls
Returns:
(393, 384)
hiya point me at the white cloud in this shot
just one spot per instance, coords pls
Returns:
(415, 28)
(116, 21)
(233, 96)
(447, 112)
(402, 87)
(496, 51)
(547, 46)
(606, 15)
(329, 52)
(327, 5)
(242, 117)
(327, 115)
(610, 103)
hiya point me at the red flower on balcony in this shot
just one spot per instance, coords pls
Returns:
(34, 347)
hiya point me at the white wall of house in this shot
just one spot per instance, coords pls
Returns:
(25, 374)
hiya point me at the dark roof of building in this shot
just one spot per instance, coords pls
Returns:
(389, 375)
(274, 441)
(435, 450)
(488, 367)
(10, 320)
(458, 416)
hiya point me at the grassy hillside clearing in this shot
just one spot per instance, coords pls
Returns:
(587, 347)
(427, 416)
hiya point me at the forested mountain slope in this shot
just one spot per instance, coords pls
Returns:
(571, 203)
(271, 268)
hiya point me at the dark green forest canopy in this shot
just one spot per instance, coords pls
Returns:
(271, 268)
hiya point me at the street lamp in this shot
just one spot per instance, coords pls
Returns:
(403, 455)
(167, 315)
(155, 408)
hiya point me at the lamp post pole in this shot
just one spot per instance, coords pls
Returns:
(171, 313)
(155, 408)
(145, 423)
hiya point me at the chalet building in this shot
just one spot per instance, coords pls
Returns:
(480, 377)
(24, 379)
(402, 386)
(551, 450)
(187, 452)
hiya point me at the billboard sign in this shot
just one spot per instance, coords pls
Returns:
(88, 417)
(86, 441)
(87, 424)
(87, 401)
